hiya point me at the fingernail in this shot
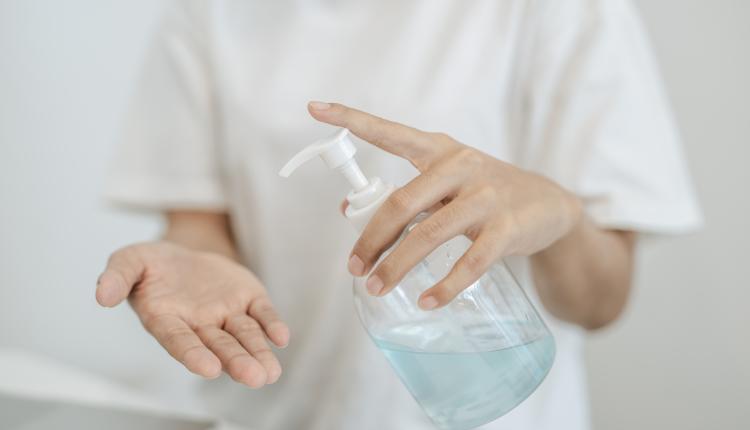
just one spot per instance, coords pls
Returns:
(356, 266)
(428, 303)
(319, 105)
(374, 285)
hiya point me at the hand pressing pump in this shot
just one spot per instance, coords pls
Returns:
(466, 363)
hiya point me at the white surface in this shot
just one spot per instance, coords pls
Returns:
(29, 375)
(26, 374)
(66, 71)
(73, 64)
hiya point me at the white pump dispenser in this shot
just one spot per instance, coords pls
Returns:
(338, 151)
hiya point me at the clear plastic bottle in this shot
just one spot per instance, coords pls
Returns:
(471, 361)
(466, 363)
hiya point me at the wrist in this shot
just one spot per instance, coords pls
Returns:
(201, 232)
(204, 244)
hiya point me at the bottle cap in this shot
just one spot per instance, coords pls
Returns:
(337, 151)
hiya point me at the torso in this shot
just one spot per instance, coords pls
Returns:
(444, 66)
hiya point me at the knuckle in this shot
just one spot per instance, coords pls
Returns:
(234, 357)
(468, 157)
(183, 354)
(400, 201)
(474, 263)
(387, 269)
(504, 231)
(125, 276)
(202, 330)
(249, 329)
(242, 326)
(436, 146)
(261, 350)
(444, 293)
(486, 194)
(364, 248)
(378, 130)
(441, 137)
(261, 306)
(429, 231)
(173, 335)
(458, 211)
(431, 177)
(222, 343)
(343, 113)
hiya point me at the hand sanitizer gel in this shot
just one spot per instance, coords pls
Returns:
(466, 363)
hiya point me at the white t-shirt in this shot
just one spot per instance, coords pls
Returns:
(564, 88)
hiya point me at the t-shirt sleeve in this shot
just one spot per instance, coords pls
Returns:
(167, 157)
(596, 120)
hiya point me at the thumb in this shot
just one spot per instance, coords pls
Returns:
(124, 270)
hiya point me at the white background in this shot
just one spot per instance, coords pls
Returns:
(678, 358)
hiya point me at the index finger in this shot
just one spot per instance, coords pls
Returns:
(414, 145)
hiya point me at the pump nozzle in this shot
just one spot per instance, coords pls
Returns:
(337, 152)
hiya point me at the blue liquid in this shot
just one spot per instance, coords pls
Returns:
(463, 390)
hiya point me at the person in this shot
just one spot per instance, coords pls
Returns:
(539, 129)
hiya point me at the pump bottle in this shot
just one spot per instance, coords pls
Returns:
(467, 363)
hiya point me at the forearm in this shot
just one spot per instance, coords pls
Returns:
(585, 276)
(202, 231)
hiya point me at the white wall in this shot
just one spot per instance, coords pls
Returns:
(66, 72)
(678, 359)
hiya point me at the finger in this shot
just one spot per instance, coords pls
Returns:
(451, 220)
(262, 310)
(124, 270)
(343, 206)
(251, 337)
(467, 270)
(418, 147)
(397, 211)
(184, 345)
(237, 362)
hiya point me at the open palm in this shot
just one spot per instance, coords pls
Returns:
(206, 310)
